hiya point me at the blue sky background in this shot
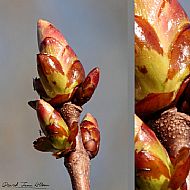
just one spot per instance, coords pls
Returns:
(98, 32)
(186, 6)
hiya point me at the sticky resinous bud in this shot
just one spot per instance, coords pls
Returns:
(90, 135)
(85, 91)
(152, 163)
(57, 133)
(154, 168)
(59, 69)
(161, 54)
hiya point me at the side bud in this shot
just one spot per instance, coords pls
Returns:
(87, 88)
(181, 170)
(152, 163)
(154, 168)
(90, 135)
(53, 126)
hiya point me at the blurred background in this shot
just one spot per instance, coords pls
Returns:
(101, 34)
(185, 4)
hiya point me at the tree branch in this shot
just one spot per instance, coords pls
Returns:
(77, 162)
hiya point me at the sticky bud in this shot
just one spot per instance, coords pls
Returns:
(59, 69)
(154, 168)
(90, 135)
(152, 163)
(86, 89)
(54, 127)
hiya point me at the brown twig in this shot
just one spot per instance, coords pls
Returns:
(77, 162)
(173, 130)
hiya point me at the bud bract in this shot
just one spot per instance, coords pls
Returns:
(85, 91)
(90, 135)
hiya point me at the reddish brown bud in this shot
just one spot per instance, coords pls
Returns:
(90, 135)
(59, 138)
(46, 29)
(87, 88)
(154, 168)
(59, 69)
(181, 169)
(162, 38)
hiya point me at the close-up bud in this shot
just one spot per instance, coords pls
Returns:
(162, 37)
(154, 169)
(152, 163)
(53, 126)
(87, 88)
(59, 69)
(90, 135)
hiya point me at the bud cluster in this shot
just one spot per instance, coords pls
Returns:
(61, 80)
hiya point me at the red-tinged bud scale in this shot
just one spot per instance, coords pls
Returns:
(46, 29)
(53, 126)
(59, 69)
(87, 88)
(152, 163)
(162, 36)
(181, 169)
(154, 169)
(90, 135)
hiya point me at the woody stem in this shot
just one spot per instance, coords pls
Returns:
(77, 162)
